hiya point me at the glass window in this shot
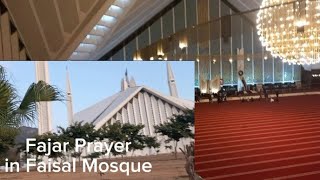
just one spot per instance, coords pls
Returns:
(144, 39)
(118, 56)
(268, 70)
(130, 50)
(191, 12)
(278, 70)
(179, 17)
(168, 24)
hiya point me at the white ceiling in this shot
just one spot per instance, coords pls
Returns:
(136, 14)
(141, 13)
(51, 29)
(247, 5)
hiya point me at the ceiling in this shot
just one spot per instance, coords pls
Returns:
(138, 15)
(53, 29)
(247, 5)
(119, 22)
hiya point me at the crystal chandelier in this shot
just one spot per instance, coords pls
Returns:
(290, 29)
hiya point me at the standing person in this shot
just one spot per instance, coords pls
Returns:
(210, 98)
(260, 93)
(197, 95)
(265, 93)
(220, 96)
(225, 95)
(277, 94)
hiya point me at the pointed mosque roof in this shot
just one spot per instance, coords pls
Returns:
(126, 83)
(107, 108)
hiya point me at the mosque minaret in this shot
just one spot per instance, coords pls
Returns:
(44, 108)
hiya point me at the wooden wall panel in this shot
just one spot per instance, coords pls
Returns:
(23, 55)
(1, 51)
(39, 52)
(203, 11)
(6, 36)
(15, 46)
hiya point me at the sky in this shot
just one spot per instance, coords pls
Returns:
(92, 82)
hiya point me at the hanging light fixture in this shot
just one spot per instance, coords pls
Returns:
(290, 29)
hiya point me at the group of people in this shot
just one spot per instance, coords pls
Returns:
(221, 96)
(266, 95)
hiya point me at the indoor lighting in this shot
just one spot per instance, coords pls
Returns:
(214, 61)
(183, 45)
(289, 29)
(160, 54)
(99, 32)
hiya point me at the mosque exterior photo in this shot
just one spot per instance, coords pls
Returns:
(134, 104)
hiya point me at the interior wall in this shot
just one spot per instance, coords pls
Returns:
(213, 44)
(259, 66)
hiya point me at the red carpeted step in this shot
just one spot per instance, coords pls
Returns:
(259, 140)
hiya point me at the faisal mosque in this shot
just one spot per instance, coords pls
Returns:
(134, 104)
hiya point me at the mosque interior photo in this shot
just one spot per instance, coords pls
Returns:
(257, 90)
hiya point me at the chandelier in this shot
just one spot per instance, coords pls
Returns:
(290, 29)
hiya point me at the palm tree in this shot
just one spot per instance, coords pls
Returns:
(14, 111)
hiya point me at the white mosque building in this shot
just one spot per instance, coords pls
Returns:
(134, 104)
(138, 104)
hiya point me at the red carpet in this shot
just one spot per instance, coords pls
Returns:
(253, 141)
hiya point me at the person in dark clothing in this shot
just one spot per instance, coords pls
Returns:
(277, 95)
(266, 95)
(210, 98)
(197, 96)
(224, 95)
(220, 96)
(197, 99)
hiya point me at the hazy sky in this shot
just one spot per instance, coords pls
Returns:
(94, 81)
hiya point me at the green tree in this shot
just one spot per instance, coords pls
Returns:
(179, 127)
(151, 142)
(53, 137)
(16, 111)
(78, 130)
(113, 133)
(133, 135)
(128, 133)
